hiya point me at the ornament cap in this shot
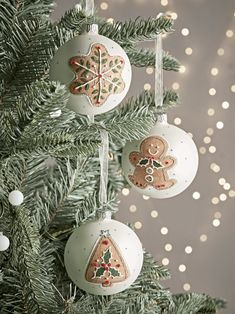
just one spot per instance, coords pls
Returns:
(93, 29)
(162, 118)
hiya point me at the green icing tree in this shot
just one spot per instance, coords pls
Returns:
(53, 160)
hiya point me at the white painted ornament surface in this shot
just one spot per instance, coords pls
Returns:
(103, 257)
(96, 71)
(163, 164)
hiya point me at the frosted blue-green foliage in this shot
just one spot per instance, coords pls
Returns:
(53, 161)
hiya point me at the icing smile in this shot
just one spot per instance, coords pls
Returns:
(153, 151)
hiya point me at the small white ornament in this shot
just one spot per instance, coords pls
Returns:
(16, 198)
(4, 242)
(96, 71)
(163, 164)
(103, 257)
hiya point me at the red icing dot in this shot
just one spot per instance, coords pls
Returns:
(107, 268)
(103, 265)
(98, 47)
(118, 265)
(109, 264)
(166, 162)
(134, 158)
(105, 242)
(106, 282)
(100, 76)
(122, 61)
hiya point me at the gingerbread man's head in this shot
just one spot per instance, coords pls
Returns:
(153, 147)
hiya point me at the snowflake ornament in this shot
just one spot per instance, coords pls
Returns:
(97, 75)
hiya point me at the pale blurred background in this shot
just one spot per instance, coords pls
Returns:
(193, 233)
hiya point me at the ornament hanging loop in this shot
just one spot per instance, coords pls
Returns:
(158, 72)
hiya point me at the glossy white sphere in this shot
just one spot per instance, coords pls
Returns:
(79, 252)
(16, 198)
(83, 46)
(4, 242)
(163, 164)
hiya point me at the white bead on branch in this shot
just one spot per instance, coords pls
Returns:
(4, 242)
(16, 198)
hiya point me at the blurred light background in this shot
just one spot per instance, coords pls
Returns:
(192, 234)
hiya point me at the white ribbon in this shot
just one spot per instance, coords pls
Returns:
(103, 156)
(86, 5)
(158, 72)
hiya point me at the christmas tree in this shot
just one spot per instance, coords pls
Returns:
(49, 158)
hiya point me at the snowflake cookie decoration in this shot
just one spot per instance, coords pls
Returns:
(106, 265)
(97, 75)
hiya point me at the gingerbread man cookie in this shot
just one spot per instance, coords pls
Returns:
(151, 164)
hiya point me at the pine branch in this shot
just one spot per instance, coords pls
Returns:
(132, 32)
(146, 58)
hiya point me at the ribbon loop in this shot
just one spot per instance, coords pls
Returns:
(158, 72)
(103, 156)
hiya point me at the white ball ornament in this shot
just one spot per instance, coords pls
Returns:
(163, 164)
(16, 198)
(4, 242)
(103, 257)
(96, 71)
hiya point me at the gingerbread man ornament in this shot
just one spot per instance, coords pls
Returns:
(151, 164)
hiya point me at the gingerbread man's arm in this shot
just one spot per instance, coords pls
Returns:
(168, 161)
(134, 158)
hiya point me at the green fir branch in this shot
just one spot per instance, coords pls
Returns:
(147, 57)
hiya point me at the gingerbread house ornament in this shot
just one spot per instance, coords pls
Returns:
(96, 71)
(163, 164)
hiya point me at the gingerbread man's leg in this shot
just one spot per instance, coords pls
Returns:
(162, 182)
(138, 178)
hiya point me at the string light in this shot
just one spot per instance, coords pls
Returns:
(214, 71)
(210, 131)
(164, 3)
(182, 268)
(212, 91)
(104, 5)
(165, 261)
(185, 31)
(196, 195)
(218, 215)
(164, 230)
(186, 287)
(229, 33)
(203, 238)
(168, 247)
(125, 191)
(211, 112)
(177, 121)
(233, 88)
(149, 70)
(212, 149)
(231, 193)
(216, 222)
(202, 150)
(175, 85)
(132, 208)
(188, 51)
(207, 140)
(182, 69)
(222, 181)
(223, 197)
(227, 186)
(138, 225)
(147, 86)
(225, 104)
(215, 200)
(219, 125)
(146, 198)
(188, 250)
(154, 214)
(220, 52)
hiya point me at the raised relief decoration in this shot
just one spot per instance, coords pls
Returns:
(151, 164)
(106, 265)
(98, 75)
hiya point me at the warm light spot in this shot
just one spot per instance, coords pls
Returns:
(216, 222)
(174, 15)
(219, 125)
(165, 261)
(185, 31)
(164, 230)
(233, 88)
(149, 70)
(207, 140)
(182, 268)
(132, 208)
(104, 6)
(215, 200)
(177, 121)
(110, 20)
(138, 225)
(212, 91)
(210, 131)
(231, 193)
(168, 247)
(227, 186)
(223, 197)
(154, 214)
(215, 167)
(203, 238)
(212, 149)
(222, 181)
(175, 85)
(188, 51)
(211, 112)
(214, 71)
(218, 215)
(188, 250)
(146, 197)
(164, 3)
(225, 104)
(147, 86)
(182, 69)
(229, 33)
(220, 52)
(186, 287)
(125, 191)
(202, 150)
(196, 195)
